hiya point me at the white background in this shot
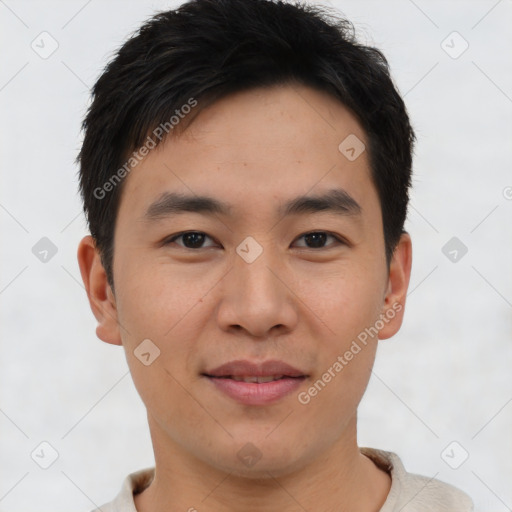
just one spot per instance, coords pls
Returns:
(446, 376)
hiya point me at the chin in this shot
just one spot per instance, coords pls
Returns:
(263, 469)
(261, 460)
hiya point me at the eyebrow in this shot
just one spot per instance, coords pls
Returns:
(337, 201)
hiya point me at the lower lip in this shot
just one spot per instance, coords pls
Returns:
(253, 393)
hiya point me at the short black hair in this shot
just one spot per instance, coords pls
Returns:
(207, 49)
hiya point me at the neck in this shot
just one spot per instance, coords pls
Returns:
(341, 479)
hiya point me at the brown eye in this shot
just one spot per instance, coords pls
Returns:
(195, 240)
(317, 239)
(191, 239)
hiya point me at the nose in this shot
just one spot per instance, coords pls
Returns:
(257, 297)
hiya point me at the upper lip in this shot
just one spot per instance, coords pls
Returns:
(244, 368)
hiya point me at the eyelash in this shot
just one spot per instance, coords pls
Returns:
(168, 241)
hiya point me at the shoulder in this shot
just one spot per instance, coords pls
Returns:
(132, 484)
(416, 493)
(429, 494)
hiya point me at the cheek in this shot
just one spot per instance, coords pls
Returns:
(159, 304)
(348, 305)
(156, 297)
(345, 301)
(155, 309)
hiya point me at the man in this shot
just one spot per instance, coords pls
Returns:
(245, 173)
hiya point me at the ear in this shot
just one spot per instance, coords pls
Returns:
(398, 283)
(99, 293)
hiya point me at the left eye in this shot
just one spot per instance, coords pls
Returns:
(318, 237)
(195, 239)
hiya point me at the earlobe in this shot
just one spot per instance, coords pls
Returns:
(99, 293)
(398, 284)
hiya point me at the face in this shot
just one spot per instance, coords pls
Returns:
(264, 279)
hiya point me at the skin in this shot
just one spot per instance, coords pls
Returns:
(297, 302)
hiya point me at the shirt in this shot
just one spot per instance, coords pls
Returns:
(409, 492)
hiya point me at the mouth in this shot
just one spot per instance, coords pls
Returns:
(272, 369)
(254, 378)
(255, 383)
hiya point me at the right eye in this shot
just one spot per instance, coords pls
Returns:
(191, 239)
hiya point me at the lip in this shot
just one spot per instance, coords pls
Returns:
(253, 393)
(242, 368)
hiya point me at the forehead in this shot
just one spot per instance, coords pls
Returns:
(255, 147)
